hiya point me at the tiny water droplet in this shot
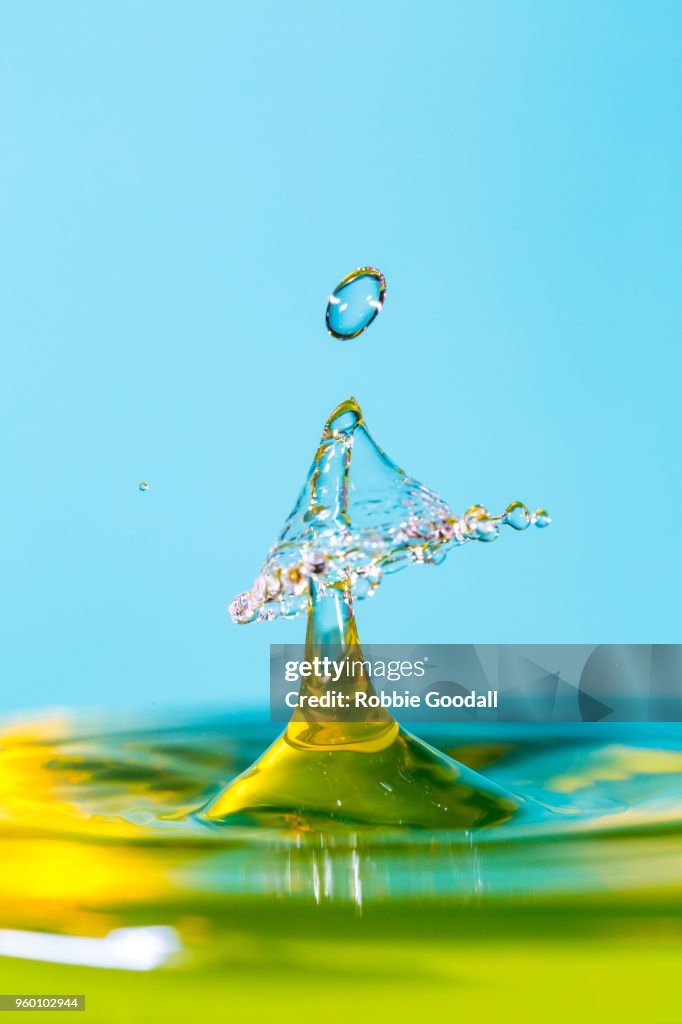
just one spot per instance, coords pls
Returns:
(314, 563)
(355, 303)
(273, 584)
(474, 514)
(542, 518)
(517, 516)
(480, 524)
(488, 530)
(259, 590)
(241, 609)
(363, 587)
(372, 543)
(143, 485)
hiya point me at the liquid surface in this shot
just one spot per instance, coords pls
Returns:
(119, 807)
(355, 303)
(103, 849)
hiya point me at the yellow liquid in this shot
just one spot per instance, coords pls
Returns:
(322, 771)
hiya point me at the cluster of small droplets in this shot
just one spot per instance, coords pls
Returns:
(478, 524)
(287, 586)
(362, 558)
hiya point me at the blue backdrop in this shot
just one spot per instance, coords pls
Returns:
(181, 186)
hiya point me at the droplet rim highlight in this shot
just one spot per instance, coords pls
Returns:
(348, 279)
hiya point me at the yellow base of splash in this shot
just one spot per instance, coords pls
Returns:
(405, 783)
(371, 773)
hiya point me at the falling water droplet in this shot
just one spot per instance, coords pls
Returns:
(542, 518)
(517, 516)
(143, 485)
(355, 303)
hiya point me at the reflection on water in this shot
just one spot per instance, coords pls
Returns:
(128, 949)
(105, 862)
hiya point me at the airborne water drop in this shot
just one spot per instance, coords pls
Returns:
(355, 303)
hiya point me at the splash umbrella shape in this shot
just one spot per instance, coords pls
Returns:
(357, 518)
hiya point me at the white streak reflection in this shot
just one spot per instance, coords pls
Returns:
(126, 949)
